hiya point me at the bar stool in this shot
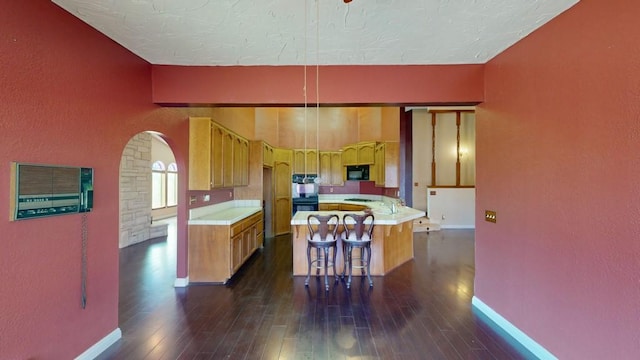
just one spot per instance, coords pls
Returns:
(357, 234)
(323, 236)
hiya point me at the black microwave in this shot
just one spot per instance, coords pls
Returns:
(358, 172)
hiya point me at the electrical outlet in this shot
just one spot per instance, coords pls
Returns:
(490, 216)
(206, 198)
(330, 189)
(443, 218)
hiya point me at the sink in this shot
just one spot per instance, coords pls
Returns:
(359, 199)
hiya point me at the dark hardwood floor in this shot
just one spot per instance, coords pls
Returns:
(421, 310)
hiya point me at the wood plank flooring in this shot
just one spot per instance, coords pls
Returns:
(422, 310)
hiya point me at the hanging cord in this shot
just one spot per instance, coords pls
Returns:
(317, 85)
(306, 21)
(83, 272)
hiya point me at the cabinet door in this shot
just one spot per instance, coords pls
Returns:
(350, 155)
(227, 161)
(244, 143)
(199, 153)
(267, 155)
(311, 157)
(379, 166)
(282, 192)
(237, 161)
(337, 169)
(299, 161)
(326, 169)
(236, 252)
(217, 159)
(366, 153)
(392, 164)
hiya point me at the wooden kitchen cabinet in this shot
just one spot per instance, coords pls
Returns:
(337, 177)
(324, 173)
(330, 168)
(240, 161)
(282, 191)
(305, 161)
(350, 155)
(227, 160)
(216, 252)
(366, 153)
(340, 207)
(200, 167)
(267, 155)
(217, 155)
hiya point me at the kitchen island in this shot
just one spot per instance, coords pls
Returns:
(392, 243)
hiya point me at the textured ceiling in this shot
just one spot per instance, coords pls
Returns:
(281, 32)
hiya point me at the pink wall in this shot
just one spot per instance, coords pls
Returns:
(276, 85)
(558, 141)
(70, 97)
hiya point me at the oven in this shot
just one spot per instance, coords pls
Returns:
(304, 204)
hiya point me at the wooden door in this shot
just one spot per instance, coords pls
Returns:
(282, 190)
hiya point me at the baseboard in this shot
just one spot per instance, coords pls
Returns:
(451, 227)
(181, 282)
(521, 341)
(102, 345)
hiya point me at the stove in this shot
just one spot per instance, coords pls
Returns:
(309, 203)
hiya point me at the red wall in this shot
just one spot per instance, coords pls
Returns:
(69, 96)
(283, 85)
(558, 141)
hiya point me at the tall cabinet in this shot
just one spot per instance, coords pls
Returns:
(282, 190)
(217, 156)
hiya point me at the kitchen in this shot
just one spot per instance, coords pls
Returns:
(368, 137)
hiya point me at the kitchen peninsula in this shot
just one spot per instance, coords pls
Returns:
(392, 243)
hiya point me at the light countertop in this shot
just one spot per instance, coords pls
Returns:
(382, 215)
(223, 214)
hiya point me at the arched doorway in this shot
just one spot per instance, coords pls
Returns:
(148, 191)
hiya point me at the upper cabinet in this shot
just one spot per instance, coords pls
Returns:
(366, 153)
(350, 155)
(362, 153)
(330, 168)
(217, 156)
(305, 161)
(267, 155)
(199, 153)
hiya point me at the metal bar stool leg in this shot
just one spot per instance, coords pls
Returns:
(368, 264)
(306, 281)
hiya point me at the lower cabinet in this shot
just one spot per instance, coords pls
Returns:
(216, 252)
(340, 207)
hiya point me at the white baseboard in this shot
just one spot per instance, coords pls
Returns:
(444, 226)
(505, 328)
(181, 282)
(102, 345)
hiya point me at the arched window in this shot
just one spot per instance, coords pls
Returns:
(164, 185)
(158, 185)
(172, 185)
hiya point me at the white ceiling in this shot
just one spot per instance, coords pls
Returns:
(277, 32)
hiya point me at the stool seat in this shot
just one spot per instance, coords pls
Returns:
(358, 232)
(323, 236)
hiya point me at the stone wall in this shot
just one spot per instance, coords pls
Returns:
(135, 191)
